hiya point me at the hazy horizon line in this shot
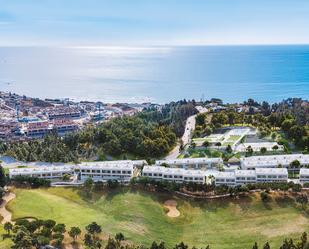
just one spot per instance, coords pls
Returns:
(85, 46)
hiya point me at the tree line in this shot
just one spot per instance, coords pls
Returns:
(38, 233)
(290, 116)
(151, 133)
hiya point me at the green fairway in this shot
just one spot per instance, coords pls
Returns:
(141, 217)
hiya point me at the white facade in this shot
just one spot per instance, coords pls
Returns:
(242, 177)
(174, 174)
(271, 175)
(53, 172)
(304, 175)
(225, 178)
(272, 161)
(245, 177)
(196, 163)
(121, 171)
(256, 147)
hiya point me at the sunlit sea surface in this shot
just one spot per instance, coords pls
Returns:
(157, 74)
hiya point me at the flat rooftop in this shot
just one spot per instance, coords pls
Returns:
(272, 171)
(245, 173)
(275, 159)
(40, 169)
(201, 160)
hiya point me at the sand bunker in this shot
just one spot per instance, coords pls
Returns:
(171, 205)
(7, 216)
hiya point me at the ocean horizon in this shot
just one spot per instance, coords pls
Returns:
(157, 74)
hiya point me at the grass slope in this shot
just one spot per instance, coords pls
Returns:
(141, 217)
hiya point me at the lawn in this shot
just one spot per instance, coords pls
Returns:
(141, 217)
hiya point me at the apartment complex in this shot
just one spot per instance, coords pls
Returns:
(174, 174)
(256, 147)
(242, 177)
(272, 161)
(304, 175)
(121, 171)
(54, 172)
(125, 170)
(194, 163)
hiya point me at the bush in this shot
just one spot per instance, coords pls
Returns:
(34, 182)
(264, 196)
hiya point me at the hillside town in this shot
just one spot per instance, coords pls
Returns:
(24, 118)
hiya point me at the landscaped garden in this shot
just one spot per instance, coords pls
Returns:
(142, 218)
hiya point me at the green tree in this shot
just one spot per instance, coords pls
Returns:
(266, 246)
(263, 150)
(181, 245)
(74, 232)
(93, 228)
(255, 246)
(275, 147)
(229, 149)
(302, 199)
(59, 228)
(264, 196)
(119, 237)
(8, 227)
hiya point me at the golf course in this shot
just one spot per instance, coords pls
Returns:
(142, 217)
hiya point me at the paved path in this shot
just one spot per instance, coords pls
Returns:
(186, 137)
(7, 216)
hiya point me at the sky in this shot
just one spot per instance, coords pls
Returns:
(153, 22)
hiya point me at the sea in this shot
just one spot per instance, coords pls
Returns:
(157, 74)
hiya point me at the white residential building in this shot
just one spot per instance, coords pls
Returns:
(304, 175)
(271, 175)
(121, 171)
(272, 161)
(245, 177)
(51, 172)
(242, 177)
(174, 174)
(225, 178)
(195, 163)
(256, 147)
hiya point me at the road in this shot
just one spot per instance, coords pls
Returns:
(186, 137)
(8, 162)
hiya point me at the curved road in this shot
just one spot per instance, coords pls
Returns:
(186, 137)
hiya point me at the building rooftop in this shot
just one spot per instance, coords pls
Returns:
(274, 159)
(271, 171)
(107, 165)
(222, 174)
(245, 173)
(40, 169)
(201, 160)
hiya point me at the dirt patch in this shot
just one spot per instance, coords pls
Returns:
(7, 216)
(171, 206)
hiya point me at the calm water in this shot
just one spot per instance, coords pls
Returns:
(233, 73)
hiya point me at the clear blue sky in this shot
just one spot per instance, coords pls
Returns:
(153, 22)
